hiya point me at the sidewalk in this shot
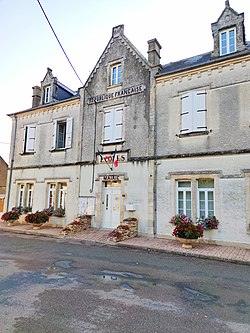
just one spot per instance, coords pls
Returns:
(224, 253)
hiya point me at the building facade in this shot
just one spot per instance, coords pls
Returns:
(203, 134)
(143, 140)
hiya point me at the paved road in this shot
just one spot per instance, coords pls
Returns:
(55, 286)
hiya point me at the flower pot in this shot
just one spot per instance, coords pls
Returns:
(37, 226)
(187, 243)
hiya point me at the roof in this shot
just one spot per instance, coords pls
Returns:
(198, 60)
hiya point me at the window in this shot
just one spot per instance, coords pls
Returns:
(62, 195)
(195, 197)
(116, 72)
(46, 98)
(62, 134)
(29, 200)
(57, 195)
(193, 112)
(184, 198)
(20, 202)
(29, 137)
(113, 125)
(51, 195)
(25, 195)
(205, 198)
(227, 41)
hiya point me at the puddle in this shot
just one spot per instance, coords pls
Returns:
(194, 294)
(116, 275)
(63, 263)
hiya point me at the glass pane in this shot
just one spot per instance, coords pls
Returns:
(184, 184)
(180, 195)
(205, 183)
(61, 134)
(119, 74)
(231, 41)
(114, 75)
(202, 195)
(188, 213)
(210, 195)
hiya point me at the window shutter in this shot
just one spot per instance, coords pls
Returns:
(118, 124)
(69, 128)
(108, 126)
(186, 113)
(54, 135)
(199, 101)
(24, 139)
(30, 138)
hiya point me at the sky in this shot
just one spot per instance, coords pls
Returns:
(84, 27)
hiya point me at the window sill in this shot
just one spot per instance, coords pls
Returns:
(193, 134)
(28, 153)
(58, 150)
(112, 143)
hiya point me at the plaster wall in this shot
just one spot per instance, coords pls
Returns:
(231, 182)
(227, 104)
(135, 190)
(43, 119)
(40, 178)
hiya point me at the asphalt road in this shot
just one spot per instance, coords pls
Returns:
(49, 285)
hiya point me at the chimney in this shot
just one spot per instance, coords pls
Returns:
(118, 31)
(36, 97)
(154, 49)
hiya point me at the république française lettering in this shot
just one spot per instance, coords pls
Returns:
(116, 94)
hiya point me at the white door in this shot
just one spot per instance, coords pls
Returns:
(111, 206)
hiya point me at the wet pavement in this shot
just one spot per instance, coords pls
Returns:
(233, 254)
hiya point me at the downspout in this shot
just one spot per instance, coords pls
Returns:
(11, 163)
(155, 168)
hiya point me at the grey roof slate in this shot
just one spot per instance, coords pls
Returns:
(196, 61)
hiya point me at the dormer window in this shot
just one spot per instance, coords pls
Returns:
(116, 73)
(227, 41)
(47, 94)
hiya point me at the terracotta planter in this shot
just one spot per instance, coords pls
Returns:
(187, 243)
(37, 226)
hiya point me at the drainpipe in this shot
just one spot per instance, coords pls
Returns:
(11, 163)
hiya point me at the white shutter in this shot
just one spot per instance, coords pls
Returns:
(54, 135)
(69, 128)
(199, 116)
(186, 113)
(108, 126)
(118, 124)
(30, 138)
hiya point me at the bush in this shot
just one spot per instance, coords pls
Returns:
(59, 212)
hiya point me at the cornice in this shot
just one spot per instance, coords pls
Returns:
(203, 68)
(46, 108)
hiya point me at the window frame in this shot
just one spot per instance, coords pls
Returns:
(56, 189)
(117, 78)
(228, 44)
(67, 136)
(206, 191)
(47, 94)
(184, 190)
(25, 194)
(194, 179)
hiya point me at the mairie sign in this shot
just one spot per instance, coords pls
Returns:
(109, 158)
(119, 93)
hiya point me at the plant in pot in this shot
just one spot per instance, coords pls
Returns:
(208, 223)
(59, 212)
(37, 219)
(185, 230)
(10, 217)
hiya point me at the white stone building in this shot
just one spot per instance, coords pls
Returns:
(143, 140)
